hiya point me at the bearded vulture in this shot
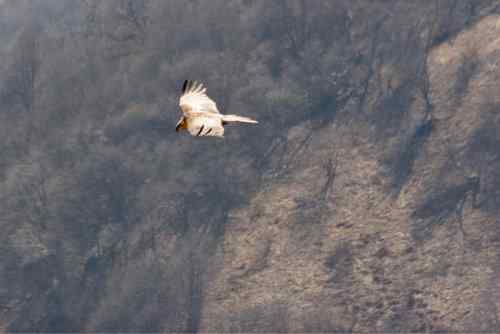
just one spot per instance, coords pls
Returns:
(200, 115)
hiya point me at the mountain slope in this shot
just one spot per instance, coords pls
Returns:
(366, 198)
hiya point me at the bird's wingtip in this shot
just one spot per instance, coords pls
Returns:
(193, 86)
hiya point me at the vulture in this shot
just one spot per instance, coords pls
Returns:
(200, 116)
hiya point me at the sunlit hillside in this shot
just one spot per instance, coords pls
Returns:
(366, 199)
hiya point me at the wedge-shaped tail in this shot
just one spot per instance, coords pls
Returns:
(236, 118)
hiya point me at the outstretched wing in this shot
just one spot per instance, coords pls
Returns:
(194, 101)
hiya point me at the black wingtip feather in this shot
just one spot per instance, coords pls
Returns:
(201, 129)
(190, 85)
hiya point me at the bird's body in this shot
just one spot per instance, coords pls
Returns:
(200, 116)
(204, 126)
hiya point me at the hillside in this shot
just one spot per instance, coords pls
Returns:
(367, 198)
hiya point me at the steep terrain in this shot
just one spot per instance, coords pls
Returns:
(334, 248)
(367, 199)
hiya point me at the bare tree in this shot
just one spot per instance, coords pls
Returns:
(20, 86)
(28, 193)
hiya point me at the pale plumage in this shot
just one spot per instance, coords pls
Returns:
(200, 116)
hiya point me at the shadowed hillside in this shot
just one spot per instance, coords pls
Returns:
(367, 197)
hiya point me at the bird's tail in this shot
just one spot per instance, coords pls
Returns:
(236, 118)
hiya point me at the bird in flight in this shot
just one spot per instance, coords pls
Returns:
(200, 115)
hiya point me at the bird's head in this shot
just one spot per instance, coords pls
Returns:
(182, 124)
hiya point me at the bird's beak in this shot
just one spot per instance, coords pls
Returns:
(181, 124)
